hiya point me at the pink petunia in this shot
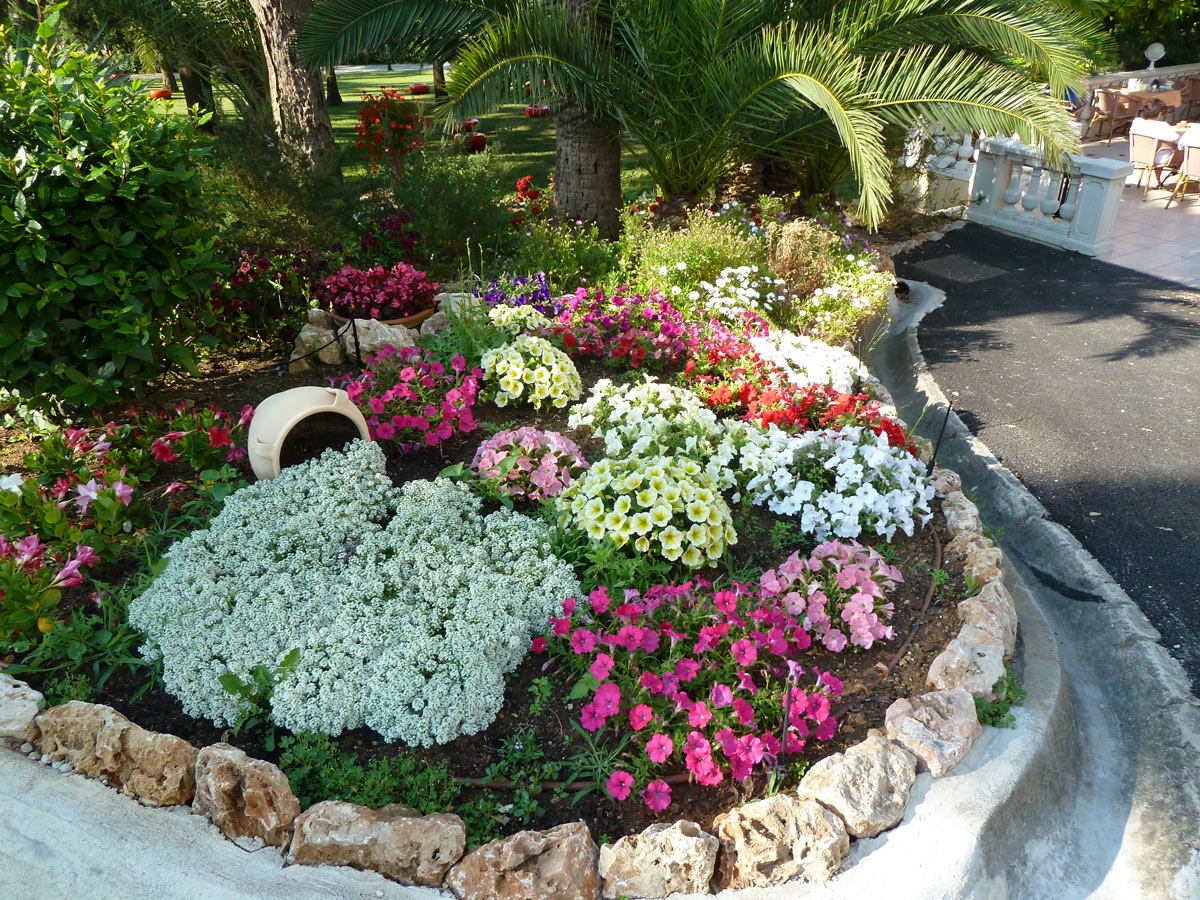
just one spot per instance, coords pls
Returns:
(745, 712)
(699, 715)
(721, 695)
(599, 600)
(687, 669)
(657, 795)
(601, 666)
(590, 719)
(652, 683)
(583, 641)
(607, 699)
(539, 645)
(659, 747)
(744, 652)
(619, 784)
(640, 716)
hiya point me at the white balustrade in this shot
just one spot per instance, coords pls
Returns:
(1074, 207)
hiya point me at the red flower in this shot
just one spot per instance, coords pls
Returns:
(219, 437)
(539, 645)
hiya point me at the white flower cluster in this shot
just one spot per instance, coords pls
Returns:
(407, 606)
(858, 284)
(809, 361)
(666, 506)
(841, 481)
(533, 369)
(738, 290)
(655, 419)
(518, 319)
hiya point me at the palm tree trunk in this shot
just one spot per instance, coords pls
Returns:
(197, 91)
(168, 78)
(587, 161)
(439, 79)
(587, 172)
(333, 95)
(297, 94)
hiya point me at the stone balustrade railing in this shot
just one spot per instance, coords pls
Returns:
(1074, 207)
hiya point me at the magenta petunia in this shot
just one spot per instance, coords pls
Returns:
(640, 716)
(583, 641)
(590, 719)
(601, 666)
(687, 669)
(744, 652)
(721, 695)
(619, 784)
(539, 645)
(699, 715)
(607, 699)
(657, 795)
(659, 747)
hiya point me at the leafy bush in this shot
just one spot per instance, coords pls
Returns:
(330, 559)
(570, 255)
(103, 245)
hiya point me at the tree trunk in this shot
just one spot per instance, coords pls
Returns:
(197, 91)
(297, 95)
(333, 96)
(587, 161)
(168, 78)
(439, 79)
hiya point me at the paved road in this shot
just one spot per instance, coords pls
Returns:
(1084, 379)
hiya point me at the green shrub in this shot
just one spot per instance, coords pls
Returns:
(455, 207)
(570, 255)
(102, 243)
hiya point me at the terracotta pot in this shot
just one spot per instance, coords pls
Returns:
(407, 321)
(160, 94)
(537, 111)
(279, 415)
(418, 89)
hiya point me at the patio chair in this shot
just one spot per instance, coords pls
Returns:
(1112, 106)
(1189, 167)
(1191, 98)
(1152, 148)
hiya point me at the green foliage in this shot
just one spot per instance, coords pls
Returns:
(569, 254)
(64, 688)
(255, 693)
(1009, 693)
(540, 689)
(523, 761)
(455, 206)
(1136, 24)
(318, 770)
(103, 245)
(471, 335)
(595, 760)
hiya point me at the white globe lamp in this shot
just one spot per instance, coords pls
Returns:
(1155, 52)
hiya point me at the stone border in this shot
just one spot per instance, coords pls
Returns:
(856, 794)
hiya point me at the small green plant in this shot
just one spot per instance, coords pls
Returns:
(1009, 693)
(318, 770)
(255, 694)
(65, 688)
(523, 762)
(940, 577)
(541, 689)
(595, 761)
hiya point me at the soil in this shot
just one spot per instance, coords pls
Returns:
(230, 382)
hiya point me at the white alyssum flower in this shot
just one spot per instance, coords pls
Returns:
(839, 482)
(408, 607)
(810, 361)
(534, 370)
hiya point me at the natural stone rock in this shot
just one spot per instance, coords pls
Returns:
(314, 336)
(559, 864)
(373, 335)
(662, 859)
(19, 704)
(946, 481)
(771, 841)
(298, 364)
(992, 611)
(101, 743)
(320, 318)
(395, 841)
(974, 660)
(867, 785)
(939, 727)
(245, 797)
(962, 517)
(457, 301)
(983, 562)
(435, 324)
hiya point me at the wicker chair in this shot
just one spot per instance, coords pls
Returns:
(1152, 148)
(1189, 167)
(1112, 106)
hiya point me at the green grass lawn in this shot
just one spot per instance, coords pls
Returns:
(524, 146)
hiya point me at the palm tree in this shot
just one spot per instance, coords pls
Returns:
(695, 86)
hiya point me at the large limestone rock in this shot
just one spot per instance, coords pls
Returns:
(395, 841)
(559, 864)
(974, 660)
(319, 335)
(992, 611)
(245, 797)
(101, 743)
(983, 562)
(457, 301)
(771, 841)
(373, 335)
(867, 786)
(435, 324)
(961, 515)
(19, 705)
(946, 481)
(660, 860)
(938, 727)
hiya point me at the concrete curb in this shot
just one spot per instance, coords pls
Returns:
(1114, 803)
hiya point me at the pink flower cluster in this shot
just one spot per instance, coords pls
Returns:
(32, 577)
(412, 398)
(378, 292)
(645, 330)
(529, 464)
(695, 676)
(841, 585)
